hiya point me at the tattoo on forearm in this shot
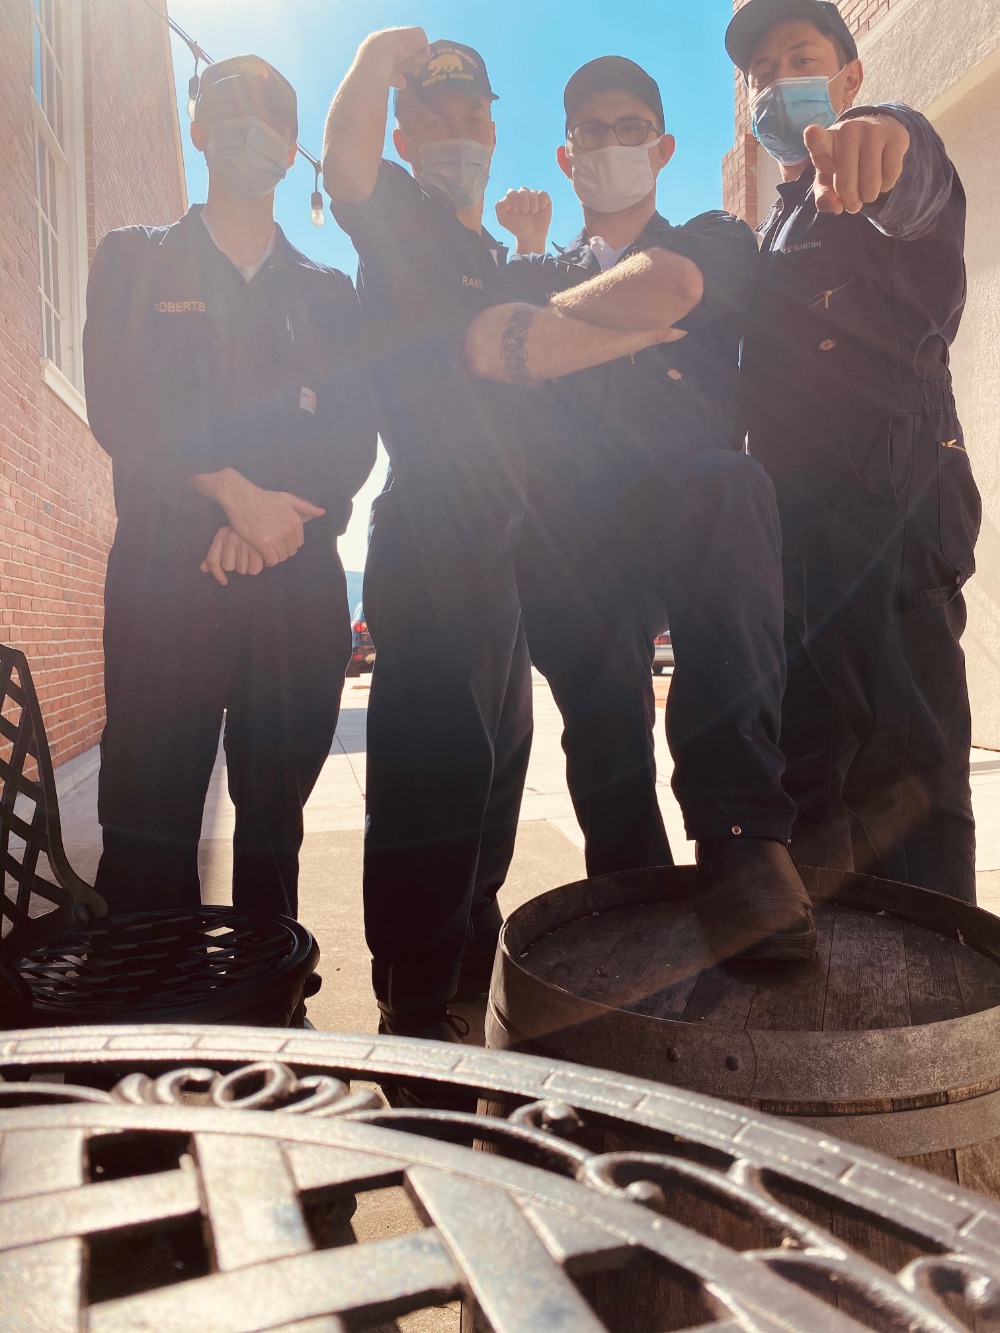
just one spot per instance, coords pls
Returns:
(513, 344)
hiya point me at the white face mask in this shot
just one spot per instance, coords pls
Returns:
(458, 168)
(609, 180)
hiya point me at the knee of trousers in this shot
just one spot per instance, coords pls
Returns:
(737, 495)
(727, 472)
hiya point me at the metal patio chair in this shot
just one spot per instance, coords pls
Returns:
(64, 960)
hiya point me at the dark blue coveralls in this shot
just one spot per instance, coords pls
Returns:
(850, 404)
(644, 508)
(191, 369)
(449, 718)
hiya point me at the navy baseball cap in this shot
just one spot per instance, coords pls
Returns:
(609, 74)
(452, 67)
(755, 18)
(247, 86)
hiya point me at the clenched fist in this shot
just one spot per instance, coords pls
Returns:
(856, 161)
(527, 215)
(404, 50)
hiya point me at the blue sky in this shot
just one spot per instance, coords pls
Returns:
(530, 47)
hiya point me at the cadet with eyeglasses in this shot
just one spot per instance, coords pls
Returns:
(449, 721)
(224, 379)
(643, 509)
(861, 287)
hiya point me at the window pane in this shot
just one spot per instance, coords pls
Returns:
(47, 56)
(36, 62)
(53, 194)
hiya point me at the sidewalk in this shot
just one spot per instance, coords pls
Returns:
(549, 849)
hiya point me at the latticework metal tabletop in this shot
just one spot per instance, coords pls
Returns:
(169, 1178)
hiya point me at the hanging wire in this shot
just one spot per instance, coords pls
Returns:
(201, 57)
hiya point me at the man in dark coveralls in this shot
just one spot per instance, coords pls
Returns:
(223, 379)
(643, 506)
(448, 731)
(849, 396)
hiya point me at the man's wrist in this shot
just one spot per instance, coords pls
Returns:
(226, 487)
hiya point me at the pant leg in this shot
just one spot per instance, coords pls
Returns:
(719, 565)
(511, 752)
(281, 714)
(167, 666)
(585, 603)
(441, 602)
(883, 622)
(818, 746)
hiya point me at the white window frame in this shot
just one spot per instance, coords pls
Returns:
(63, 372)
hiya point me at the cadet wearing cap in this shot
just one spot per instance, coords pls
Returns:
(643, 508)
(223, 380)
(849, 395)
(449, 719)
(449, 722)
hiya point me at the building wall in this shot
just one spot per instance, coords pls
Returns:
(959, 89)
(56, 508)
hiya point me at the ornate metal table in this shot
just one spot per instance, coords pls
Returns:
(168, 1179)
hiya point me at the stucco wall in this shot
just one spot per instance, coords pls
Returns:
(972, 131)
(943, 57)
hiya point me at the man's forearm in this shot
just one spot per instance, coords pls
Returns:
(526, 345)
(355, 127)
(226, 487)
(646, 291)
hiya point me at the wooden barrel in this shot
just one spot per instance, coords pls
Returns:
(889, 1039)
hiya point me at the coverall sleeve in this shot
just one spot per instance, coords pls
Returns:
(112, 340)
(911, 208)
(388, 216)
(725, 251)
(537, 278)
(143, 416)
(346, 396)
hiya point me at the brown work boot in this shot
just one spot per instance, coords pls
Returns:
(752, 902)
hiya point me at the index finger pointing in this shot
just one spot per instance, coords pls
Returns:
(820, 147)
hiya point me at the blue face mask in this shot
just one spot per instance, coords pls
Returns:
(783, 112)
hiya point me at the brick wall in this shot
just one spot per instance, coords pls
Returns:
(56, 508)
(739, 168)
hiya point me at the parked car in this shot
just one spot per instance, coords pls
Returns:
(663, 652)
(362, 647)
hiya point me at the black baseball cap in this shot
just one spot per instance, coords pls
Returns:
(611, 74)
(452, 66)
(247, 86)
(758, 16)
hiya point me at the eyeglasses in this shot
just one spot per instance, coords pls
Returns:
(630, 131)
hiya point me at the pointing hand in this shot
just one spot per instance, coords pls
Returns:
(856, 161)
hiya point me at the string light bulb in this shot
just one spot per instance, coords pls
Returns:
(193, 85)
(318, 214)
